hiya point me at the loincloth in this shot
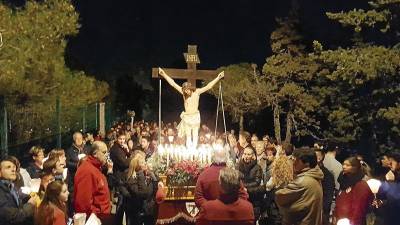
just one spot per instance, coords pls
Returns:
(188, 121)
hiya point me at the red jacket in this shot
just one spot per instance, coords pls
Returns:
(58, 217)
(91, 193)
(226, 210)
(207, 186)
(354, 204)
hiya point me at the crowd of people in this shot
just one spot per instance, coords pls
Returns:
(249, 181)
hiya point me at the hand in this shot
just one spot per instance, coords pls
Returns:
(377, 203)
(161, 71)
(278, 149)
(221, 75)
(160, 184)
(390, 176)
(110, 165)
(33, 200)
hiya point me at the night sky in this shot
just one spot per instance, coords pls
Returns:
(120, 41)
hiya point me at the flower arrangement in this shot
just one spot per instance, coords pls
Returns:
(184, 173)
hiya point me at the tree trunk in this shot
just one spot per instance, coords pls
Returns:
(277, 124)
(289, 125)
(241, 122)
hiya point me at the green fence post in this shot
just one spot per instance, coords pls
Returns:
(3, 128)
(58, 115)
(84, 120)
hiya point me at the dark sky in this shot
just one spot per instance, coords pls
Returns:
(157, 32)
(127, 33)
(121, 40)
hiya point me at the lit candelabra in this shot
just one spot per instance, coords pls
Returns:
(176, 153)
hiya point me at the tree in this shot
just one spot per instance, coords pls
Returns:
(361, 96)
(243, 91)
(33, 71)
(288, 75)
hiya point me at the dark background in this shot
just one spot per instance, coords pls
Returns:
(120, 41)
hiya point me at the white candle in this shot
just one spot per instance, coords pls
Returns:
(167, 149)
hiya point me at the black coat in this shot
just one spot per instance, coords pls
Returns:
(33, 170)
(120, 160)
(389, 193)
(251, 175)
(328, 188)
(72, 158)
(140, 193)
(11, 212)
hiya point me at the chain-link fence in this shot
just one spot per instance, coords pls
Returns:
(50, 125)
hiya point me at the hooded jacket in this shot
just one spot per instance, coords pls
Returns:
(300, 202)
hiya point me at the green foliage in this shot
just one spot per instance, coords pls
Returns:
(358, 86)
(391, 114)
(359, 65)
(243, 92)
(380, 16)
(359, 18)
(33, 71)
(288, 75)
(361, 90)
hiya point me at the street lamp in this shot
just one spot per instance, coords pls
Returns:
(131, 114)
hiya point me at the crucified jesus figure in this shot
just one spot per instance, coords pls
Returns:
(190, 118)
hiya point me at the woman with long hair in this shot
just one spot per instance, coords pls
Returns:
(279, 174)
(354, 196)
(281, 171)
(143, 191)
(53, 209)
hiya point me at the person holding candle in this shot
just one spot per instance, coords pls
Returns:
(389, 192)
(354, 195)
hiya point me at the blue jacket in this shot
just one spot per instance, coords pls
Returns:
(11, 212)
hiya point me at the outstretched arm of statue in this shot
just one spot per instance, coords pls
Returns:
(211, 84)
(169, 80)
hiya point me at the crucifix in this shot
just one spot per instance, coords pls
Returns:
(191, 74)
(190, 117)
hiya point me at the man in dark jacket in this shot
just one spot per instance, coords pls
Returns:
(243, 142)
(72, 153)
(147, 147)
(251, 175)
(228, 208)
(328, 186)
(119, 155)
(12, 209)
(35, 167)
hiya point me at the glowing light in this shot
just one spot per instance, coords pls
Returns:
(343, 221)
(374, 185)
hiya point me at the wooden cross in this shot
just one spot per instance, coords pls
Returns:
(191, 74)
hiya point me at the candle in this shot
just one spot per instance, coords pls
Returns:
(343, 221)
(167, 151)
